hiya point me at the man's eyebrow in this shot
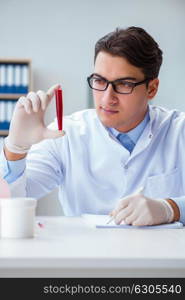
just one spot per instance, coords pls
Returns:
(122, 78)
(98, 75)
(126, 78)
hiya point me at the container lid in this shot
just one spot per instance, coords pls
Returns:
(18, 202)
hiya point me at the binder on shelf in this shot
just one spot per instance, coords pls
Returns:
(17, 71)
(3, 78)
(1, 142)
(10, 79)
(6, 112)
(24, 79)
(2, 112)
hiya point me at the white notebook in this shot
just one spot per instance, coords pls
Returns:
(99, 221)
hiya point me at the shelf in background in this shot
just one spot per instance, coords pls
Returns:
(4, 132)
(15, 60)
(11, 96)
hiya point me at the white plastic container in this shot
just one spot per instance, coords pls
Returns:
(17, 217)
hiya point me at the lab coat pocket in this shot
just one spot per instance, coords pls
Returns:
(165, 185)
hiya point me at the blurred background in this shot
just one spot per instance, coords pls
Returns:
(59, 37)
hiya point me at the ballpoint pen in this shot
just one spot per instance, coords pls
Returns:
(138, 191)
(110, 220)
(59, 107)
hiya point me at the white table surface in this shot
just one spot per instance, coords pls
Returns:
(67, 247)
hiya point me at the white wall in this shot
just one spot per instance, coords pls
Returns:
(59, 37)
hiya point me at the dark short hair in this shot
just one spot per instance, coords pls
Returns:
(135, 45)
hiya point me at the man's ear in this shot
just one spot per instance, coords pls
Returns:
(152, 88)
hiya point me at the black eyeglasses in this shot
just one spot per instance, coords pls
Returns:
(120, 86)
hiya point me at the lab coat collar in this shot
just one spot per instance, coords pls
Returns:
(145, 138)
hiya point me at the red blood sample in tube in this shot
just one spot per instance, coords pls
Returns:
(59, 107)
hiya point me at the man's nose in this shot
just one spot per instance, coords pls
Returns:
(109, 96)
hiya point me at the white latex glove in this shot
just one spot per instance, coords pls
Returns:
(139, 210)
(27, 125)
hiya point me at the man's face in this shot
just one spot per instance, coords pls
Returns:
(121, 111)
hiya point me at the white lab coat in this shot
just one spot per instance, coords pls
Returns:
(93, 170)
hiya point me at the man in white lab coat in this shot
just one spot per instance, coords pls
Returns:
(125, 156)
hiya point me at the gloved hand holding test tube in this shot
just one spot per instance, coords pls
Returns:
(28, 126)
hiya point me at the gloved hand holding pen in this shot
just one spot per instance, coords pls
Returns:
(27, 125)
(139, 210)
